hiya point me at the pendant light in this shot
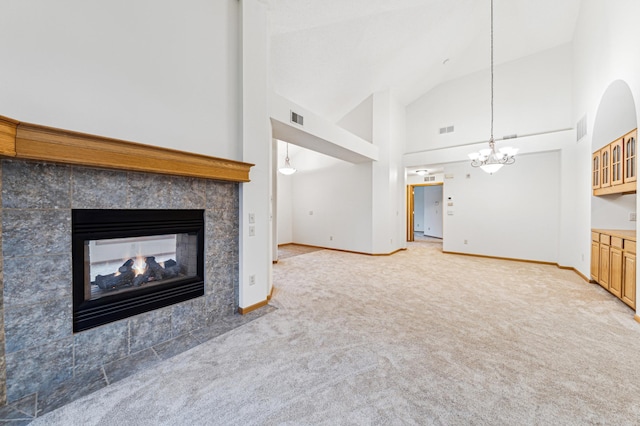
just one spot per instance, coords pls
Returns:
(287, 169)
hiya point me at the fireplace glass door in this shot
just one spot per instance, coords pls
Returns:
(127, 262)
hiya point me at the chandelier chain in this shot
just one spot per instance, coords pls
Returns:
(491, 72)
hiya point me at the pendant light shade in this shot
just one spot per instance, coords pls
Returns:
(287, 169)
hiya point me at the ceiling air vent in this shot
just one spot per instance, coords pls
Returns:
(448, 129)
(581, 128)
(297, 118)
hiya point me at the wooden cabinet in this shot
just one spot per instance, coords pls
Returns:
(595, 260)
(615, 272)
(614, 166)
(604, 272)
(613, 263)
(629, 279)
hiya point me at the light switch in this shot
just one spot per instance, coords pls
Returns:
(252, 218)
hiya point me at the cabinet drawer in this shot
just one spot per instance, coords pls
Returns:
(595, 236)
(616, 242)
(630, 246)
(605, 239)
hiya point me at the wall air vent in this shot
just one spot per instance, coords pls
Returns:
(297, 118)
(429, 178)
(448, 129)
(581, 128)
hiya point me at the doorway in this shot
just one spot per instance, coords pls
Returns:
(424, 210)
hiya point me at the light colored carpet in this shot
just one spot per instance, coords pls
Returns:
(419, 337)
(286, 251)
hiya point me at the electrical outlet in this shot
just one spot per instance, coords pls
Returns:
(252, 280)
(632, 216)
(465, 241)
(252, 231)
(310, 212)
(331, 238)
(252, 218)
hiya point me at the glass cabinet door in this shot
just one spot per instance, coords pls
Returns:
(616, 162)
(630, 167)
(605, 167)
(595, 170)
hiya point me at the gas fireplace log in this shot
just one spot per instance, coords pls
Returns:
(171, 268)
(122, 278)
(138, 280)
(156, 271)
(113, 281)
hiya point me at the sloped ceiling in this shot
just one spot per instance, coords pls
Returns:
(329, 55)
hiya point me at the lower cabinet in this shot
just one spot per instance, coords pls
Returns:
(629, 279)
(613, 263)
(595, 259)
(605, 262)
(615, 272)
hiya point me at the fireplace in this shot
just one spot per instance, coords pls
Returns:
(52, 178)
(127, 262)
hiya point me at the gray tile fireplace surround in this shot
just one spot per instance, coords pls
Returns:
(43, 364)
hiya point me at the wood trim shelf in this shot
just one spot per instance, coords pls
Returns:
(36, 142)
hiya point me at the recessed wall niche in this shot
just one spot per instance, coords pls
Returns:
(615, 117)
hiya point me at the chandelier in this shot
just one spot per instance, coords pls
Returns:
(287, 169)
(491, 160)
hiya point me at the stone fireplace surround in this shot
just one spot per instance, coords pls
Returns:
(43, 364)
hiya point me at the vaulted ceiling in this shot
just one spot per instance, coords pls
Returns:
(329, 55)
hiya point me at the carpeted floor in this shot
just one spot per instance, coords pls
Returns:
(419, 337)
(286, 251)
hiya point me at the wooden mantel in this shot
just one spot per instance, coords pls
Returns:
(35, 142)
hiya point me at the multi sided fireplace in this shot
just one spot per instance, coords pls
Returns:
(126, 262)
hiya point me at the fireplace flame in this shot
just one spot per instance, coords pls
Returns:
(139, 266)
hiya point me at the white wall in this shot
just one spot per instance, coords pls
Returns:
(157, 73)
(360, 120)
(388, 178)
(433, 208)
(418, 209)
(332, 207)
(514, 213)
(604, 50)
(255, 196)
(532, 95)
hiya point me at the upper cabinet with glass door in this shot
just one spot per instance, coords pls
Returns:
(614, 166)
